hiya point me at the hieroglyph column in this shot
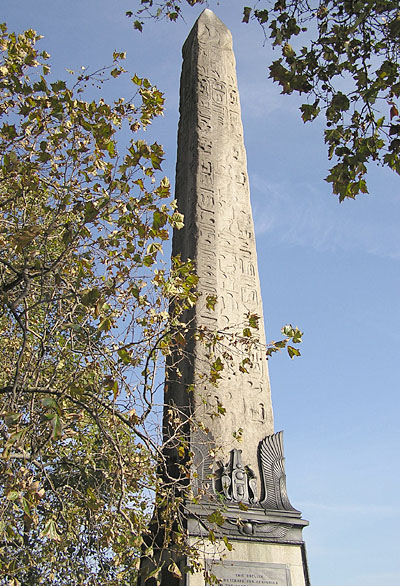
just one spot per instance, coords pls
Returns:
(212, 190)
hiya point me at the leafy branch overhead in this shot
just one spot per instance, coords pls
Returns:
(169, 9)
(292, 336)
(343, 56)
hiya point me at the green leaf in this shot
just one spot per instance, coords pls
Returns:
(159, 219)
(340, 102)
(58, 86)
(111, 148)
(297, 336)
(293, 351)
(51, 530)
(119, 55)
(50, 402)
(174, 570)
(12, 495)
(177, 220)
(228, 544)
(56, 426)
(90, 211)
(309, 112)
(11, 418)
(254, 320)
(115, 390)
(91, 297)
(125, 356)
(152, 574)
(217, 365)
(216, 518)
(211, 301)
(287, 330)
(137, 80)
(261, 15)
(246, 14)
(154, 247)
(105, 325)
(26, 506)
(148, 260)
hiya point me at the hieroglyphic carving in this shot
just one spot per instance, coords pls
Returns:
(254, 410)
(212, 190)
(237, 482)
(258, 528)
(202, 477)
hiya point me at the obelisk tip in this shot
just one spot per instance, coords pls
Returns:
(207, 12)
(208, 28)
(210, 17)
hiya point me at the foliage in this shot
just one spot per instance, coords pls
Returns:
(84, 317)
(292, 336)
(169, 9)
(348, 68)
(343, 56)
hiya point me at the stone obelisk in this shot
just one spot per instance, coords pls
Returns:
(245, 469)
(212, 191)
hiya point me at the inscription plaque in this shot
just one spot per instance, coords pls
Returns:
(232, 573)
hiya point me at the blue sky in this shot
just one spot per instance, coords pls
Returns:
(331, 269)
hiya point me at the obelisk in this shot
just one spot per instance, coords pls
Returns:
(212, 191)
(237, 458)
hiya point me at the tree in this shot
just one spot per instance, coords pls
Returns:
(84, 318)
(343, 56)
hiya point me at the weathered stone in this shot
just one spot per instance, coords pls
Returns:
(212, 190)
(248, 476)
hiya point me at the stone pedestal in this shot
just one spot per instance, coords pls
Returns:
(265, 548)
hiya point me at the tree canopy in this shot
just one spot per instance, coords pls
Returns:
(342, 56)
(84, 317)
